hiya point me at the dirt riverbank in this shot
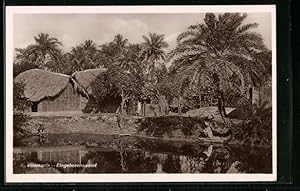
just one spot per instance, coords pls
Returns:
(176, 128)
(168, 127)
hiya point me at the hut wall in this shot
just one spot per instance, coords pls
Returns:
(83, 102)
(68, 100)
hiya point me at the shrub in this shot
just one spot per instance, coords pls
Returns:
(159, 126)
(256, 128)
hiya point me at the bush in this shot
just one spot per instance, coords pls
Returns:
(159, 126)
(257, 128)
(20, 104)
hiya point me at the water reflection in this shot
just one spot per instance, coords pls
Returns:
(111, 154)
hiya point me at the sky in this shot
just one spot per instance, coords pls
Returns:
(74, 29)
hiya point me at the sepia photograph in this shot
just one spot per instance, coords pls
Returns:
(140, 94)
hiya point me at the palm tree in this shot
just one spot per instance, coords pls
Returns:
(131, 60)
(91, 53)
(112, 52)
(119, 42)
(77, 60)
(44, 50)
(153, 51)
(82, 57)
(57, 63)
(219, 54)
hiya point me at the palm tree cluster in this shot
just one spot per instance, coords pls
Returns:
(47, 54)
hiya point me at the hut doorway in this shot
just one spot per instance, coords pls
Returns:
(34, 107)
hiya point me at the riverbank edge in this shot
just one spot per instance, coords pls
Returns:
(104, 124)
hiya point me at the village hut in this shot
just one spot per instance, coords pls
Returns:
(85, 79)
(51, 92)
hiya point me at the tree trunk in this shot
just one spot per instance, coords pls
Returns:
(123, 111)
(221, 105)
(221, 101)
(123, 103)
(222, 111)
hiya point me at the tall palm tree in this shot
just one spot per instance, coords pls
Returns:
(57, 63)
(44, 50)
(219, 54)
(131, 60)
(120, 42)
(91, 52)
(112, 52)
(153, 51)
(82, 57)
(77, 60)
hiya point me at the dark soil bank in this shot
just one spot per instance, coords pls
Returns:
(169, 127)
(166, 127)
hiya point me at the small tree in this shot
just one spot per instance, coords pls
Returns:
(118, 82)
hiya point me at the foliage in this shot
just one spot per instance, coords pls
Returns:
(257, 128)
(19, 67)
(165, 125)
(19, 100)
(81, 57)
(131, 60)
(20, 104)
(113, 52)
(220, 54)
(43, 53)
(160, 73)
(169, 87)
(152, 52)
(117, 82)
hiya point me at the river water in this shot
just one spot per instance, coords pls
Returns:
(86, 153)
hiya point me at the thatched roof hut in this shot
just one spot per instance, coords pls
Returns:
(49, 91)
(40, 84)
(87, 77)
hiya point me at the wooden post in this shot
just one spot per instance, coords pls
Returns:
(200, 99)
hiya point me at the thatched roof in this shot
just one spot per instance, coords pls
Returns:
(86, 77)
(40, 84)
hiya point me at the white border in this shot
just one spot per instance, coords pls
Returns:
(68, 178)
